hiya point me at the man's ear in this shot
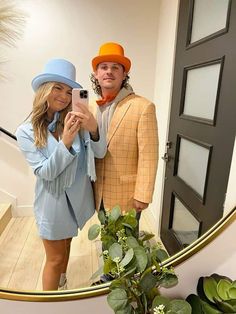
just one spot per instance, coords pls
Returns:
(124, 75)
(95, 74)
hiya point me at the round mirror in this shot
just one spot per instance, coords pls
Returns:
(74, 30)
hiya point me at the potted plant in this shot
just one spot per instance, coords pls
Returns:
(216, 295)
(133, 261)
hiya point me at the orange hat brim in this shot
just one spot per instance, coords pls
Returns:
(112, 58)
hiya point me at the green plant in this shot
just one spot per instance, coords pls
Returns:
(216, 295)
(133, 261)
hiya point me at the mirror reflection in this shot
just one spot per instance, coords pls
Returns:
(71, 35)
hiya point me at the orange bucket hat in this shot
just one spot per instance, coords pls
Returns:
(111, 52)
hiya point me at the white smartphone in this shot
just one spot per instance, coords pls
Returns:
(79, 96)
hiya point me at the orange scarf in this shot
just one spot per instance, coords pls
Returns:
(105, 100)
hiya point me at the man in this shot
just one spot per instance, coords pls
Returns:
(126, 175)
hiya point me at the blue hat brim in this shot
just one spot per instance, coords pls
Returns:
(44, 78)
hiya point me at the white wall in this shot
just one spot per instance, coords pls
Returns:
(17, 179)
(230, 199)
(75, 29)
(91, 305)
(167, 25)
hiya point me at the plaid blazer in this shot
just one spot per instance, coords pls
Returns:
(129, 167)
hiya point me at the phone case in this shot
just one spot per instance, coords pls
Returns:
(79, 96)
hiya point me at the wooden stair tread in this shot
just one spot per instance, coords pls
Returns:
(5, 216)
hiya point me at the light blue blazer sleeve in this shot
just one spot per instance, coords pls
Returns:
(48, 163)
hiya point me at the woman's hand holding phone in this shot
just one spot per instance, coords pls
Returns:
(71, 129)
(86, 119)
(79, 96)
(80, 109)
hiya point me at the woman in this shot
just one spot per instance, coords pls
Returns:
(61, 157)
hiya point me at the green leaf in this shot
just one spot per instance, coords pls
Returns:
(225, 307)
(168, 280)
(93, 232)
(144, 302)
(141, 258)
(126, 310)
(128, 257)
(108, 265)
(161, 255)
(179, 307)
(132, 242)
(129, 232)
(195, 303)
(147, 236)
(115, 213)
(129, 271)
(127, 225)
(209, 309)
(117, 299)
(200, 290)
(232, 293)
(118, 283)
(131, 221)
(222, 288)
(97, 273)
(218, 277)
(210, 289)
(159, 300)
(147, 282)
(132, 212)
(115, 250)
(155, 263)
(152, 294)
(107, 241)
(232, 303)
(102, 217)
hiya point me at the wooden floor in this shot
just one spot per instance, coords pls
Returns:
(22, 255)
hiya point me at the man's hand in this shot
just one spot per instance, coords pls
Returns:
(139, 206)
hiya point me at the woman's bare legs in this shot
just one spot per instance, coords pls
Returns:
(67, 255)
(63, 279)
(57, 256)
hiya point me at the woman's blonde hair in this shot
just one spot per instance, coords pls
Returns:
(39, 118)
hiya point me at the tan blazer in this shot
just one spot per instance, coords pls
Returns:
(129, 167)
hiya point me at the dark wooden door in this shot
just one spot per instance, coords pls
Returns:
(202, 122)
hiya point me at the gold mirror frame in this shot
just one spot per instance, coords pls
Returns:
(55, 296)
(50, 296)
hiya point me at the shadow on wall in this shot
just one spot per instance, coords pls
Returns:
(17, 179)
(13, 158)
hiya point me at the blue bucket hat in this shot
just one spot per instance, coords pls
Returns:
(57, 70)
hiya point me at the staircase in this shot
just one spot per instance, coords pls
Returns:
(5, 216)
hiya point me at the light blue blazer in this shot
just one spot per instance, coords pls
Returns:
(60, 216)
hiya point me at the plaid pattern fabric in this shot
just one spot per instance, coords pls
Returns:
(129, 168)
